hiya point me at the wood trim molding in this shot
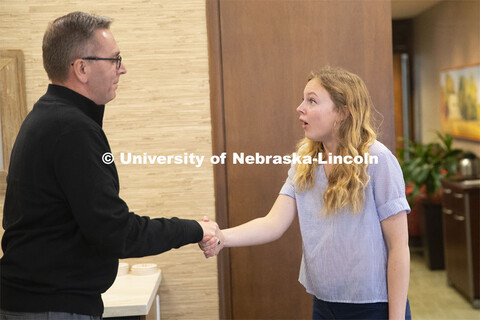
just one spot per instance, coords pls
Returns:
(218, 147)
(13, 108)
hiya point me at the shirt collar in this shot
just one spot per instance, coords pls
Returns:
(87, 106)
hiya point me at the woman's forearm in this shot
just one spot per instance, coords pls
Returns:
(254, 232)
(265, 229)
(257, 231)
(398, 276)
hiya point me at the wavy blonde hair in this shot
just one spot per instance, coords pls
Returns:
(346, 182)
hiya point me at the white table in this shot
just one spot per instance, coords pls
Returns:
(132, 295)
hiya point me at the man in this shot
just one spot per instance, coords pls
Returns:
(65, 224)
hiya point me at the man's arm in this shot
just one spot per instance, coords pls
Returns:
(91, 189)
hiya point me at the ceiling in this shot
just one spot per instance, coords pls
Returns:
(406, 9)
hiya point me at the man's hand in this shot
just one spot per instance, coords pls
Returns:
(209, 228)
(211, 244)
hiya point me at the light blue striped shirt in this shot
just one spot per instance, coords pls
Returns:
(345, 256)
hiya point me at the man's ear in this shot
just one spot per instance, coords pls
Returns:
(80, 70)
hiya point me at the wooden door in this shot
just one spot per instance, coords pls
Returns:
(261, 53)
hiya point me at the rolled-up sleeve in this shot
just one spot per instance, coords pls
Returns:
(288, 188)
(388, 186)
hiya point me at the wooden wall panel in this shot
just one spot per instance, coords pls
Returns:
(398, 97)
(162, 108)
(268, 49)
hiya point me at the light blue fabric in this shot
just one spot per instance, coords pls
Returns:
(345, 256)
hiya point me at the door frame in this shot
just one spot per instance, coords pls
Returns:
(218, 147)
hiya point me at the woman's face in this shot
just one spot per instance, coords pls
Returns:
(317, 113)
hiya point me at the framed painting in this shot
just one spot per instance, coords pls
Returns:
(460, 102)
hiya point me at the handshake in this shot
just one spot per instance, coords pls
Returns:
(213, 240)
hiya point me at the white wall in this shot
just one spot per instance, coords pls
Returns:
(445, 36)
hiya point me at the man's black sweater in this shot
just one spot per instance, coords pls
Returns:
(65, 224)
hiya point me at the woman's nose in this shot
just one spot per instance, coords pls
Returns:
(300, 109)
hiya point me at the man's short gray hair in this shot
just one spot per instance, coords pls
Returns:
(68, 38)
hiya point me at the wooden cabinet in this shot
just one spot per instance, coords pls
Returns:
(461, 234)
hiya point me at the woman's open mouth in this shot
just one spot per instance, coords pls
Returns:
(304, 123)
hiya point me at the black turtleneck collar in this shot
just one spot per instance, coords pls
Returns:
(87, 106)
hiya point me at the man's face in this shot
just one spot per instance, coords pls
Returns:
(104, 75)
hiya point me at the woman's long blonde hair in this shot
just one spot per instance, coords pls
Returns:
(346, 182)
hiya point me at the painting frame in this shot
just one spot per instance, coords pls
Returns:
(460, 101)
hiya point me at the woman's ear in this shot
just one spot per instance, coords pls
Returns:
(345, 112)
(80, 70)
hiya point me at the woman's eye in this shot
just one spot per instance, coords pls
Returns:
(313, 101)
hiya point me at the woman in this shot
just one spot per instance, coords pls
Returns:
(352, 216)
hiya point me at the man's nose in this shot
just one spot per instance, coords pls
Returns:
(123, 68)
